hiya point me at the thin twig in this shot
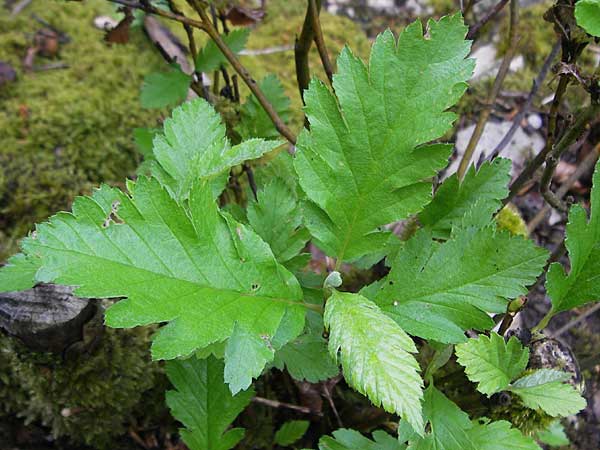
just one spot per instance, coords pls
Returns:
(474, 29)
(251, 180)
(539, 159)
(575, 321)
(588, 162)
(20, 6)
(188, 30)
(569, 138)
(147, 7)
(319, 40)
(208, 27)
(516, 123)
(513, 39)
(278, 404)
(301, 50)
(250, 82)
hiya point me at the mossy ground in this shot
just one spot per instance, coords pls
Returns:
(89, 397)
(66, 130)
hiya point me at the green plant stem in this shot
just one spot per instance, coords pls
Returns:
(544, 322)
(513, 40)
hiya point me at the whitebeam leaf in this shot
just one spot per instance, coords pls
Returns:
(376, 355)
(363, 163)
(437, 291)
(194, 146)
(582, 283)
(191, 266)
(203, 403)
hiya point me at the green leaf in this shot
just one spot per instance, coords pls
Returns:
(582, 284)
(246, 354)
(276, 217)
(161, 89)
(500, 436)
(346, 439)
(194, 145)
(587, 13)
(437, 291)
(203, 403)
(375, 355)
(554, 435)
(363, 163)
(544, 389)
(290, 432)
(210, 57)
(484, 188)
(451, 429)
(449, 425)
(191, 266)
(492, 362)
(306, 358)
(254, 121)
(143, 138)
(19, 273)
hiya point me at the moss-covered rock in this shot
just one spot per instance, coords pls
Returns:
(88, 397)
(66, 130)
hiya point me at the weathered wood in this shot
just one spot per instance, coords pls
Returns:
(47, 317)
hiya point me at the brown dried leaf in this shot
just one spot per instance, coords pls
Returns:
(120, 33)
(238, 15)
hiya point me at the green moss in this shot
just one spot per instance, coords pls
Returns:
(89, 397)
(64, 131)
(527, 420)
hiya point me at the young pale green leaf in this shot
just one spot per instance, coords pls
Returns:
(291, 431)
(346, 439)
(254, 121)
(437, 291)
(544, 389)
(161, 89)
(210, 57)
(492, 362)
(582, 284)
(276, 217)
(375, 354)
(246, 355)
(363, 163)
(500, 436)
(19, 273)
(587, 14)
(194, 146)
(191, 266)
(203, 403)
(484, 188)
(554, 435)
(449, 425)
